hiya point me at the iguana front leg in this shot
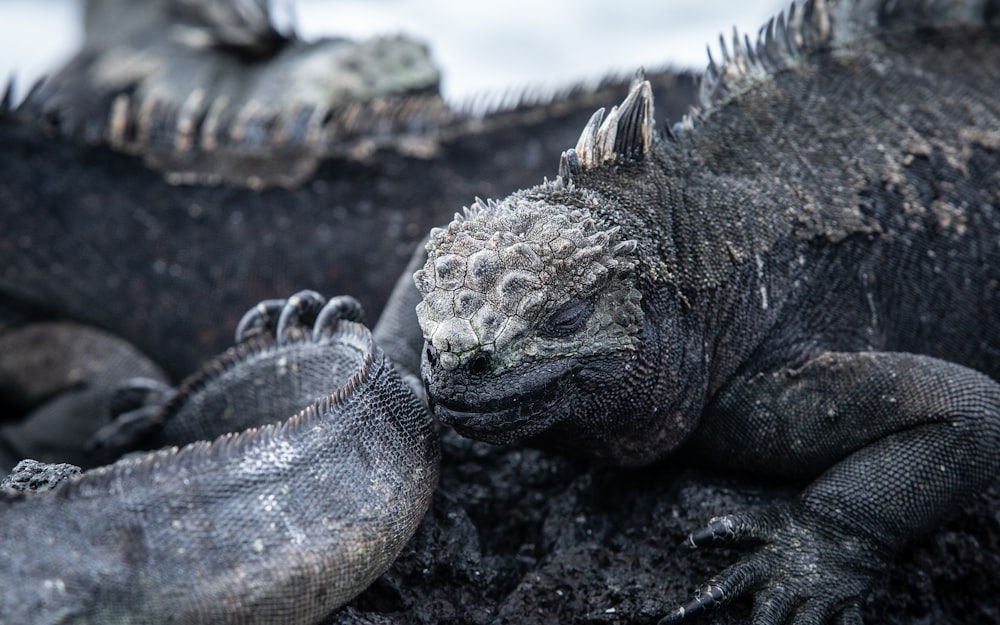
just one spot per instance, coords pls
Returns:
(898, 442)
(61, 380)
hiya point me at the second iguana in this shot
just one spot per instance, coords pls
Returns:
(252, 521)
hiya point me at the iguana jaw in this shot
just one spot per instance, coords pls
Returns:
(509, 407)
(524, 418)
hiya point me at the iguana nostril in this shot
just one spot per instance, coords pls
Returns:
(479, 364)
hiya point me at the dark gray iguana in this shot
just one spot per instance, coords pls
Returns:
(278, 524)
(800, 280)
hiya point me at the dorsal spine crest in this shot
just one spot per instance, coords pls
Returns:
(625, 134)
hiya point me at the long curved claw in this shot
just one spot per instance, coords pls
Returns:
(135, 408)
(720, 590)
(339, 307)
(806, 570)
(709, 596)
(731, 529)
(261, 319)
(137, 393)
(287, 318)
(299, 311)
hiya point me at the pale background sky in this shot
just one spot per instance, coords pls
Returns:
(482, 47)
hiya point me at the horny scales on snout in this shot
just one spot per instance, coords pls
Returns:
(798, 279)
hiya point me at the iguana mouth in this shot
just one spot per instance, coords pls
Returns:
(520, 420)
(519, 413)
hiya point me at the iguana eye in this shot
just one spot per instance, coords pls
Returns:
(567, 320)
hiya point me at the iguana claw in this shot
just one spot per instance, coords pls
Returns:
(706, 597)
(806, 570)
(299, 311)
(258, 319)
(137, 393)
(285, 318)
(339, 307)
(730, 528)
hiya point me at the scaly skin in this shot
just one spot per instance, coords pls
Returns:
(278, 524)
(799, 281)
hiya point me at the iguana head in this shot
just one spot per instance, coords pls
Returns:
(532, 311)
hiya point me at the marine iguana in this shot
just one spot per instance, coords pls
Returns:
(280, 523)
(800, 279)
(213, 91)
(106, 244)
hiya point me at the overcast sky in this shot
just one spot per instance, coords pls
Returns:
(481, 47)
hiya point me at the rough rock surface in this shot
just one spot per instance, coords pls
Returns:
(521, 536)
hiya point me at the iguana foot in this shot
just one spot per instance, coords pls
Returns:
(58, 380)
(286, 318)
(138, 405)
(805, 571)
(134, 407)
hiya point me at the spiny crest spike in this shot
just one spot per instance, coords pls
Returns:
(480, 205)
(569, 164)
(606, 134)
(638, 79)
(635, 124)
(626, 132)
(588, 138)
